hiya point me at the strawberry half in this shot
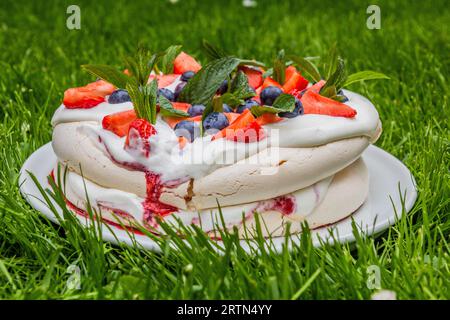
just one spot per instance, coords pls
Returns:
(184, 62)
(88, 96)
(294, 80)
(314, 103)
(270, 82)
(137, 138)
(254, 76)
(119, 122)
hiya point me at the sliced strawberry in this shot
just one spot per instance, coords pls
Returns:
(314, 103)
(88, 96)
(184, 62)
(165, 80)
(270, 82)
(317, 86)
(289, 72)
(267, 118)
(254, 76)
(295, 82)
(183, 106)
(101, 87)
(231, 116)
(137, 138)
(173, 121)
(119, 122)
(244, 128)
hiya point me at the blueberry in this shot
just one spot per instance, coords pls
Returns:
(341, 96)
(298, 110)
(269, 94)
(223, 87)
(226, 108)
(187, 75)
(247, 105)
(196, 110)
(179, 88)
(119, 96)
(166, 93)
(215, 120)
(188, 129)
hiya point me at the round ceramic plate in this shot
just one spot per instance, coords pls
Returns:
(392, 191)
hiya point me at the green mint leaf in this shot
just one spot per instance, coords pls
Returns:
(168, 57)
(279, 67)
(166, 108)
(203, 86)
(141, 64)
(284, 103)
(107, 73)
(217, 104)
(144, 99)
(307, 67)
(255, 63)
(213, 52)
(331, 61)
(231, 99)
(336, 80)
(363, 76)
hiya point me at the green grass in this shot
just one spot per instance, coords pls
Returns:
(40, 58)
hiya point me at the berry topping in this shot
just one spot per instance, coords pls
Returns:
(247, 105)
(269, 82)
(223, 87)
(179, 88)
(298, 110)
(184, 62)
(166, 93)
(254, 76)
(119, 122)
(269, 94)
(88, 96)
(119, 96)
(196, 110)
(137, 138)
(188, 129)
(187, 75)
(215, 120)
(314, 103)
(244, 128)
(294, 80)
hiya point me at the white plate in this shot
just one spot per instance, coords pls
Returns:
(391, 186)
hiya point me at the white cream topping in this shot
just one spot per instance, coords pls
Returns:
(306, 200)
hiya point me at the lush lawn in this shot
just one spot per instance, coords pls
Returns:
(40, 57)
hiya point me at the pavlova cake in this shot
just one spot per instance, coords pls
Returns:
(168, 139)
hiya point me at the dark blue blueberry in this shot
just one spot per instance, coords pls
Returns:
(247, 105)
(215, 120)
(187, 75)
(341, 96)
(227, 108)
(298, 110)
(196, 110)
(166, 93)
(119, 96)
(223, 87)
(179, 88)
(269, 94)
(188, 129)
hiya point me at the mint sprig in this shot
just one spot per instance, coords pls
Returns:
(284, 103)
(202, 87)
(239, 91)
(279, 67)
(168, 57)
(107, 73)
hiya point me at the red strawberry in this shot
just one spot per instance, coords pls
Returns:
(184, 62)
(254, 76)
(314, 103)
(183, 106)
(166, 79)
(138, 133)
(270, 82)
(88, 96)
(295, 81)
(317, 86)
(289, 72)
(252, 132)
(119, 123)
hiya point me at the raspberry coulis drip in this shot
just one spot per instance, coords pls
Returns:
(284, 204)
(153, 208)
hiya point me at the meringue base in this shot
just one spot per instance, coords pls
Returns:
(344, 193)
